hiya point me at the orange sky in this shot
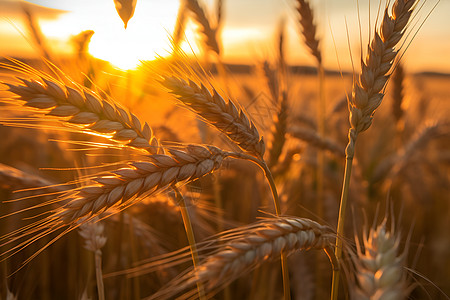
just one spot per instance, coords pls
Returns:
(248, 33)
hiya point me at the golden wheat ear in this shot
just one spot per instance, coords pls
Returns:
(243, 249)
(77, 107)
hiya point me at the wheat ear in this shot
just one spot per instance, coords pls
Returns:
(209, 32)
(243, 249)
(121, 187)
(367, 95)
(85, 109)
(306, 19)
(225, 116)
(379, 266)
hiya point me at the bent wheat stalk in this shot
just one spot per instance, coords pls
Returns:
(246, 248)
(367, 95)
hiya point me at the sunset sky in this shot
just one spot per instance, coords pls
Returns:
(248, 33)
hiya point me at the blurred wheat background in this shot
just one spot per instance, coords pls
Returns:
(154, 150)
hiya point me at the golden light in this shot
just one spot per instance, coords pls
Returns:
(146, 36)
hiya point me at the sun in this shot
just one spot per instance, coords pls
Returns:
(126, 49)
(146, 36)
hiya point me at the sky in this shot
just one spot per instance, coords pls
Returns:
(248, 33)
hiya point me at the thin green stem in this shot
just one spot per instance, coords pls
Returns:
(342, 210)
(190, 236)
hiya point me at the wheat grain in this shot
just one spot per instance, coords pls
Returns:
(398, 93)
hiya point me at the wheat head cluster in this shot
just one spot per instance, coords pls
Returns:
(188, 178)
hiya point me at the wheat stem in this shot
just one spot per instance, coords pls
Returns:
(191, 238)
(276, 200)
(342, 210)
(99, 274)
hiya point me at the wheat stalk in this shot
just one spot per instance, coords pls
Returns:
(398, 93)
(278, 131)
(85, 109)
(94, 240)
(245, 248)
(225, 116)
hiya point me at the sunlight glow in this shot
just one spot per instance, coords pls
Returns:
(146, 36)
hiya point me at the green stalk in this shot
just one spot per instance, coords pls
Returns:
(342, 210)
(191, 239)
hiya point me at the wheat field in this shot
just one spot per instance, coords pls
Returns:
(192, 178)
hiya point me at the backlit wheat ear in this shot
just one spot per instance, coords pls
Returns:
(306, 19)
(120, 189)
(84, 109)
(367, 90)
(379, 266)
(209, 32)
(225, 116)
(123, 187)
(243, 249)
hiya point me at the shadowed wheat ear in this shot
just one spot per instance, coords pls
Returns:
(306, 19)
(243, 249)
(83, 108)
(367, 95)
(379, 266)
(225, 116)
